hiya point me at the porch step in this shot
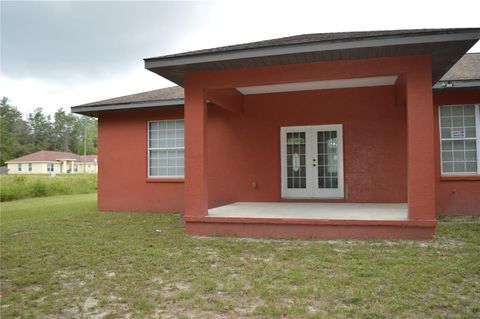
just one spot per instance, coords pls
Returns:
(310, 228)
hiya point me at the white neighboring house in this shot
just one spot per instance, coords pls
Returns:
(47, 162)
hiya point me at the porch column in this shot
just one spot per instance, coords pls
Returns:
(196, 193)
(420, 143)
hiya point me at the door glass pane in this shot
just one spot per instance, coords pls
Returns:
(296, 170)
(327, 159)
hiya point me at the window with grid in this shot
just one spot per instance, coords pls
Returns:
(166, 148)
(459, 139)
(49, 167)
(30, 167)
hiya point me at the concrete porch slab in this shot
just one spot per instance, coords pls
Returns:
(329, 211)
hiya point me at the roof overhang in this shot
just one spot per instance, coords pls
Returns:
(446, 48)
(93, 110)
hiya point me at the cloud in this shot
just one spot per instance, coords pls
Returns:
(75, 41)
(27, 94)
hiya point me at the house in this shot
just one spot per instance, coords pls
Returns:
(334, 135)
(47, 162)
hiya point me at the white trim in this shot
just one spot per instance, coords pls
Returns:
(476, 138)
(320, 85)
(477, 133)
(311, 190)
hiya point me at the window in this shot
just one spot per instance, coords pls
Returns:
(75, 167)
(19, 167)
(29, 167)
(166, 148)
(49, 167)
(460, 139)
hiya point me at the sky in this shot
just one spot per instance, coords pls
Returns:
(64, 53)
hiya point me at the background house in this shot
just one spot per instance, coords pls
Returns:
(46, 162)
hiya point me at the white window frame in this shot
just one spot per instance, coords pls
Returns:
(48, 167)
(164, 149)
(477, 139)
(19, 167)
(30, 167)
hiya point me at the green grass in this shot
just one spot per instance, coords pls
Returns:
(62, 258)
(13, 187)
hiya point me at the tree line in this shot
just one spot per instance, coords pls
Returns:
(21, 135)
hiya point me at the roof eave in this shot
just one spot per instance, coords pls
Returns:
(93, 110)
(159, 62)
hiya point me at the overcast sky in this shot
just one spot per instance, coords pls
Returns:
(60, 54)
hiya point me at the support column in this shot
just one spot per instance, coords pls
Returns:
(420, 143)
(196, 193)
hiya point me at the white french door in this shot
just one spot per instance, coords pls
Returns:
(312, 161)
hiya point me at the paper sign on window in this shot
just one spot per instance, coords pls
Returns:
(458, 132)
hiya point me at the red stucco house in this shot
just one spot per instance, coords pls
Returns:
(337, 135)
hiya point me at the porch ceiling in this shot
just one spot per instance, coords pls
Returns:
(330, 211)
(320, 85)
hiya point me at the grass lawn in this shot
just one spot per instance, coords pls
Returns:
(62, 258)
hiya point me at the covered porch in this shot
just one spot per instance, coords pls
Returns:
(316, 140)
(320, 154)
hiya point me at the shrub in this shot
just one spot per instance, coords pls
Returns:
(14, 187)
(39, 189)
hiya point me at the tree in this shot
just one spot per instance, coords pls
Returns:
(89, 125)
(63, 130)
(13, 132)
(65, 133)
(41, 129)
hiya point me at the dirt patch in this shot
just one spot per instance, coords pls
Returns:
(90, 303)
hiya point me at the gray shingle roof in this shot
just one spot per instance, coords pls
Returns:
(170, 93)
(316, 37)
(52, 156)
(445, 46)
(467, 68)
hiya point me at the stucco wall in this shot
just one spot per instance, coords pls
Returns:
(90, 168)
(41, 168)
(37, 168)
(246, 148)
(122, 164)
